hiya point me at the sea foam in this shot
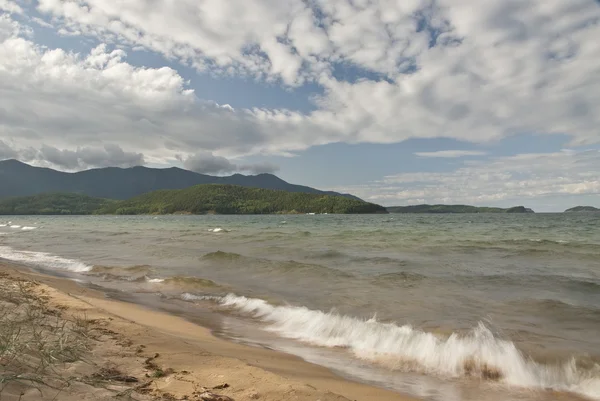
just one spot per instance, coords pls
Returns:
(218, 230)
(43, 259)
(478, 353)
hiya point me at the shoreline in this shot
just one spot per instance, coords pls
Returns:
(193, 356)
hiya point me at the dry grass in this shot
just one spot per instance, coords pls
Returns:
(51, 352)
(35, 339)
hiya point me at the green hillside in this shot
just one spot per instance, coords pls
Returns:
(582, 209)
(52, 204)
(230, 199)
(455, 209)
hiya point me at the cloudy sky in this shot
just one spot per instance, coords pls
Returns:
(493, 102)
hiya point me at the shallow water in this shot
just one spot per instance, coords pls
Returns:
(471, 304)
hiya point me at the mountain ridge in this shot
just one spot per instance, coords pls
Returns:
(21, 179)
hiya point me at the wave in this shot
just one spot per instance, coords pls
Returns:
(186, 282)
(222, 256)
(43, 259)
(260, 265)
(561, 310)
(402, 277)
(532, 244)
(28, 228)
(476, 354)
(579, 284)
(119, 271)
(218, 230)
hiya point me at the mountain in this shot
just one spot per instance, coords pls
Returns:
(233, 199)
(53, 204)
(20, 179)
(455, 209)
(519, 209)
(582, 209)
(199, 199)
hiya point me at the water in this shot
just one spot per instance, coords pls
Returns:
(447, 307)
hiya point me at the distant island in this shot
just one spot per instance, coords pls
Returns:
(456, 209)
(582, 209)
(200, 199)
(20, 179)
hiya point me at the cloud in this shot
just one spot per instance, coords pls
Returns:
(259, 168)
(82, 158)
(73, 100)
(472, 71)
(451, 153)
(497, 180)
(10, 7)
(207, 163)
(6, 152)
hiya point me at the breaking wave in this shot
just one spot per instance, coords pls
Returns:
(43, 259)
(476, 354)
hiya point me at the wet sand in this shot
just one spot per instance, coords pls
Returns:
(172, 358)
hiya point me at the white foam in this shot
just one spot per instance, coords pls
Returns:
(403, 347)
(15, 226)
(28, 228)
(155, 280)
(218, 230)
(43, 259)
(3, 225)
(191, 297)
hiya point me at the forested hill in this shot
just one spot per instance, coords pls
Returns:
(52, 204)
(20, 179)
(230, 199)
(582, 209)
(200, 199)
(455, 209)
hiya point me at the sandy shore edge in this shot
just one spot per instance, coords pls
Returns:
(190, 360)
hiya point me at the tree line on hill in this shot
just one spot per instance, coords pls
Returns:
(200, 199)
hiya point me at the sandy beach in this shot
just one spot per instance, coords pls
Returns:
(131, 352)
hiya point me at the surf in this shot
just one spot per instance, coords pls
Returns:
(43, 260)
(476, 354)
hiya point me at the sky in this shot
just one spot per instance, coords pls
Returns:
(483, 102)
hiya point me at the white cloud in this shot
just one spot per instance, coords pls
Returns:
(473, 71)
(519, 178)
(478, 70)
(73, 101)
(41, 22)
(10, 7)
(109, 155)
(451, 153)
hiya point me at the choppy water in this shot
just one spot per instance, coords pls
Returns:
(447, 307)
